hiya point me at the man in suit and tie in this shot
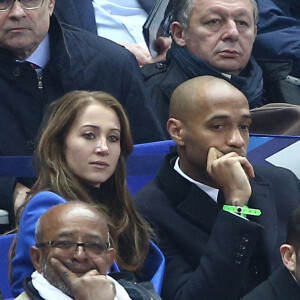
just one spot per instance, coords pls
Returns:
(219, 220)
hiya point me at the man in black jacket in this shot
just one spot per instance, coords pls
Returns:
(40, 60)
(219, 221)
(284, 282)
(72, 258)
(210, 37)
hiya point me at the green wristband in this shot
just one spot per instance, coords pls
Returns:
(242, 210)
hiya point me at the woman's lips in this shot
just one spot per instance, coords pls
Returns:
(99, 164)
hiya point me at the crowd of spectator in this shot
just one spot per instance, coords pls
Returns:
(79, 88)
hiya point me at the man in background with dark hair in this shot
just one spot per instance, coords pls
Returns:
(284, 282)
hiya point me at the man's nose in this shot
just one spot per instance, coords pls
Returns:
(235, 139)
(17, 11)
(230, 30)
(80, 254)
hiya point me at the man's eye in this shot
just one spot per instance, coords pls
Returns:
(245, 127)
(89, 135)
(214, 24)
(95, 247)
(218, 126)
(242, 23)
(214, 21)
(63, 244)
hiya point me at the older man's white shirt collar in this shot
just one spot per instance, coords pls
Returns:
(49, 292)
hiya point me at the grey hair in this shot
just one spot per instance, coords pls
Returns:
(38, 231)
(182, 9)
(255, 10)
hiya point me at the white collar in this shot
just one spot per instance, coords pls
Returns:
(45, 289)
(50, 292)
(210, 191)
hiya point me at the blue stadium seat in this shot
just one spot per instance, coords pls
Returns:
(5, 242)
(144, 162)
(155, 266)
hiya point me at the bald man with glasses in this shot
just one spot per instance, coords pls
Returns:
(73, 256)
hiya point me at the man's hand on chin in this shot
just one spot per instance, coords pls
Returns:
(90, 286)
(231, 173)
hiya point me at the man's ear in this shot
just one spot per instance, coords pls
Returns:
(36, 258)
(175, 128)
(51, 5)
(255, 31)
(110, 257)
(178, 34)
(288, 256)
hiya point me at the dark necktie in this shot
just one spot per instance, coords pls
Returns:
(34, 66)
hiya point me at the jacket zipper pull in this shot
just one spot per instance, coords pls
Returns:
(40, 82)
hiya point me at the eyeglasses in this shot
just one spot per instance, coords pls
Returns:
(6, 5)
(69, 248)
